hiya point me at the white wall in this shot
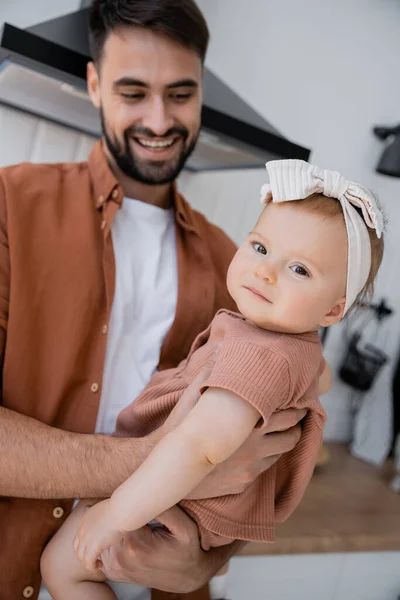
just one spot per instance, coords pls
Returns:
(323, 73)
(27, 138)
(24, 13)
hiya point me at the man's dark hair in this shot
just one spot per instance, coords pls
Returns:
(180, 20)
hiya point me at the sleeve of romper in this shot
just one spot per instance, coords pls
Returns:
(4, 273)
(257, 374)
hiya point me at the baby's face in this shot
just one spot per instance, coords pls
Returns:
(290, 273)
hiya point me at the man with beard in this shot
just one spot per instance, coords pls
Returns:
(107, 274)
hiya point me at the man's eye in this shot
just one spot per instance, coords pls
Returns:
(299, 270)
(132, 96)
(259, 248)
(181, 97)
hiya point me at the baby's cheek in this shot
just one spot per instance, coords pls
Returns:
(232, 278)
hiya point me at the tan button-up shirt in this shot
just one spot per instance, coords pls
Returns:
(57, 277)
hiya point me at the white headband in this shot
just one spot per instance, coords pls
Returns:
(297, 179)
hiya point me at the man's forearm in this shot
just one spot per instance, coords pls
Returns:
(38, 461)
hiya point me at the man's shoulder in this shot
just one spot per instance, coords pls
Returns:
(28, 176)
(217, 240)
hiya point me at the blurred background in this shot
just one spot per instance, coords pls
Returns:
(320, 74)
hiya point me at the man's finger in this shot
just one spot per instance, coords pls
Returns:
(177, 522)
(280, 442)
(283, 420)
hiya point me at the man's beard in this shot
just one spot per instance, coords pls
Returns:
(147, 171)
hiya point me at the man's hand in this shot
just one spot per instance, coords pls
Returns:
(260, 451)
(168, 559)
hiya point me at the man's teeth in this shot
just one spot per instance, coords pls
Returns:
(153, 144)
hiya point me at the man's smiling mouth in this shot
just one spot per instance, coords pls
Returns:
(155, 144)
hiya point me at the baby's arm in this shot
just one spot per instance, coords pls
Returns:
(214, 429)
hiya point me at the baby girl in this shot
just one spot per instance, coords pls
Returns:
(314, 253)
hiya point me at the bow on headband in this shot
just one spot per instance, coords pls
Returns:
(296, 179)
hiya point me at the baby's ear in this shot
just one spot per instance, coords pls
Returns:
(335, 314)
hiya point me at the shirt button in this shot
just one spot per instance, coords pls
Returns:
(58, 512)
(28, 592)
(115, 194)
(104, 329)
(94, 387)
(103, 224)
(100, 200)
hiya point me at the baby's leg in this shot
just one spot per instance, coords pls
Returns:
(63, 573)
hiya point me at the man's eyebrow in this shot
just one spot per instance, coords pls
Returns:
(183, 83)
(130, 81)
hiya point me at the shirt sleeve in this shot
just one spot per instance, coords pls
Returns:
(257, 374)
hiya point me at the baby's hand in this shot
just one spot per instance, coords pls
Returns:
(97, 532)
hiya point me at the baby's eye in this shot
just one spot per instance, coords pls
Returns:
(299, 270)
(259, 247)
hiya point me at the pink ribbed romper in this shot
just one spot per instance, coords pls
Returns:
(272, 371)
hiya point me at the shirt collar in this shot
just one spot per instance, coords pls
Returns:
(106, 187)
(184, 214)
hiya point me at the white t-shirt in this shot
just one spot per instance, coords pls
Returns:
(144, 306)
(143, 310)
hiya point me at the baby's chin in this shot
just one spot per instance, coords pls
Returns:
(268, 319)
(260, 321)
(269, 324)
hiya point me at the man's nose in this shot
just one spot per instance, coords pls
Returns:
(266, 271)
(157, 117)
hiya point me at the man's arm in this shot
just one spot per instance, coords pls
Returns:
(38, 461)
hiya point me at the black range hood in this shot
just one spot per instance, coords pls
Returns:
(43, 71)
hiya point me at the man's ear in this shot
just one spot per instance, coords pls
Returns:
(335, 314)
(93, 84)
